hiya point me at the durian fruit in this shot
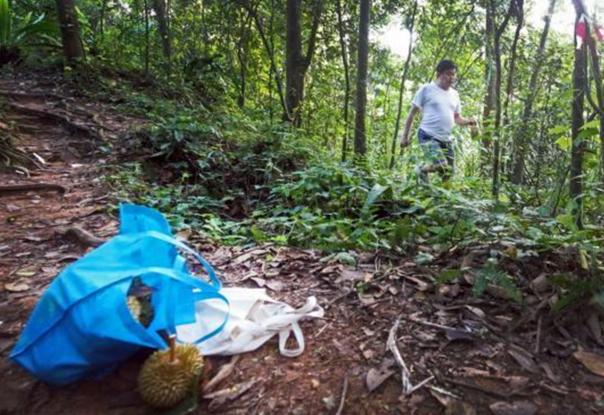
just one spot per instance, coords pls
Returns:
(167, 376)
(135, 307)
(139, 302)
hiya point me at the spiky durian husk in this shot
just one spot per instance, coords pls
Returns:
(163, 383)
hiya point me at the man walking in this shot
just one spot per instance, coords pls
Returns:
(441, 109)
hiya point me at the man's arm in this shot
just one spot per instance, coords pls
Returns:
(459, 120)
(408, 124)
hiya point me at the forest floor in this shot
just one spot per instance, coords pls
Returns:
(480, 355)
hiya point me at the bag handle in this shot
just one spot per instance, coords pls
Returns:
(207, 292)
(214, 281)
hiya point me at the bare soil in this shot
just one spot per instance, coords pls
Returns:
(480, 355)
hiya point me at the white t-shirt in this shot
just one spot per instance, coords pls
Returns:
(438, 107)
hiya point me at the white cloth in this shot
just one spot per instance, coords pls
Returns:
(254, 318)
(438, 107)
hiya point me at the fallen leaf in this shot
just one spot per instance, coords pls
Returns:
(349, 275)
(375, 377)
(26, 272)
(16, 287)
(476, 311)
(228, 394)
(260, 281)
(275, 285)
(513, 408)
(524, 360)
(549, 372)
(458, 335)
(368, 354)
(592, 361)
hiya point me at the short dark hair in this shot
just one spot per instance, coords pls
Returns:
(445, 65)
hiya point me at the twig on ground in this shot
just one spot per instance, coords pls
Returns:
(408, 387)
(80, 236)
(538, 341)
(485, 390)
(338, 298)
(444, 392)
(321, 330)
(222, 374)
(343, 398)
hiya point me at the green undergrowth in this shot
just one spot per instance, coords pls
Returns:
(240, 181)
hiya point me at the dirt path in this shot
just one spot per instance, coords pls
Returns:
(474, 364)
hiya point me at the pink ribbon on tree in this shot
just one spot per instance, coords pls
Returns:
(581, 30)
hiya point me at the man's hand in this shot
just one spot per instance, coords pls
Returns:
(404, 141)
(471, 122)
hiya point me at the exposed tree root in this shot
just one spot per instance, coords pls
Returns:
(21, 188)
(63, 119)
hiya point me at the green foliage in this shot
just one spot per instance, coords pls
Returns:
(17, 34)
(490, 275)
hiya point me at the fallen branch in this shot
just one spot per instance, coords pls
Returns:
(343, 398)
(222, 374)
(485, 390)
(408, 387)
(20, 188)
(80, 236)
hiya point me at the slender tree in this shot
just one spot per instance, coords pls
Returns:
(509, 90)
(401, 92)
(297, 63)
(360, 139)
(70, 31)
(520, 146)
(161, 15)
(499, 30)
(578, 144)
(344, 54)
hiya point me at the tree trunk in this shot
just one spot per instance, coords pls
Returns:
(360, 140)
(401, 91)
(294, 61)
(521, 142)
(489, 100)
(244, 30)
(70, 31)
(346, 78)
(161, 14)
(599, 104)
(578, 147)
(509, 90)
(147, 38)
(296, 64)
(498, 75)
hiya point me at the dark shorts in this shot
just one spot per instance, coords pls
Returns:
(436, 151)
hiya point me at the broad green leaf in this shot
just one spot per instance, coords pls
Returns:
(564, 142)
(373, 195)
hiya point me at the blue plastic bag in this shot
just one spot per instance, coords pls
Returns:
(82, 326)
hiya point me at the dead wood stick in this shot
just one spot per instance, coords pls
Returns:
(20, 188)
(339, 297)
(436, 326)
(538, 341)
(222, 374)
(80, 236)
(343, 398)
(485, 390)
(391, 345)
(408, 387)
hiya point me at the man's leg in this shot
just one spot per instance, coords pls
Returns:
(449, 160)
(435, 157)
